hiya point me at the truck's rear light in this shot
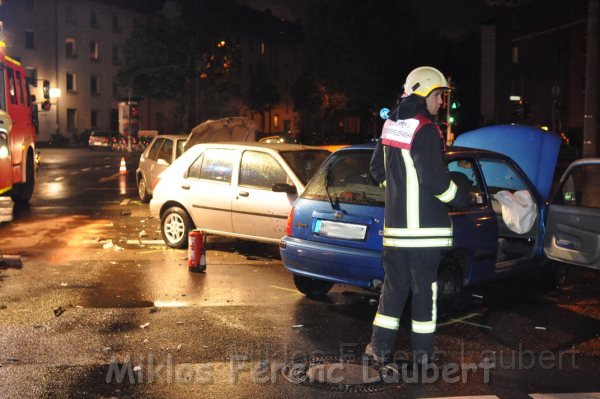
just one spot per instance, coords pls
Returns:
(290, 221)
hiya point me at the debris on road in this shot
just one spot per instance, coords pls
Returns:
(58, 311)
(540, 328)
(107, 349)
(142, 326)
(108, 245)
(143, 233)
(298, 326)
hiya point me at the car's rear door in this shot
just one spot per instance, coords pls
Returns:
(257, 210)
(573, 224)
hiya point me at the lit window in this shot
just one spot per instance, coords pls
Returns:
(515, 55)
(263, 48)
(276, 120)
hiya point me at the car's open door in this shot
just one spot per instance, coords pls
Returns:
(573, 223)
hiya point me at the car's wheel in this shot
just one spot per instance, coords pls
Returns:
(310, 286)
(23, 192)
(450, 286)
(142, 191)
(174, 226)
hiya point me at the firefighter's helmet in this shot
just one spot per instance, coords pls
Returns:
(423, 80)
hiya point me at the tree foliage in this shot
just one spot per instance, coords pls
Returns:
(187, 41)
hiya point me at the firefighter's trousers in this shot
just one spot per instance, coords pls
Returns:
(407, 271)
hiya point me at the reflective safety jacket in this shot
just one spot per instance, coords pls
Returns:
(409, 161)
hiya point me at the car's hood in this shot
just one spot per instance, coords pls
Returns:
(534, 150)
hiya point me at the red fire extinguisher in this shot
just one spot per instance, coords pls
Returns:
(196, 251)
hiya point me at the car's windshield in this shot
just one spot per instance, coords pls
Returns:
(305, 163)
(345, 178)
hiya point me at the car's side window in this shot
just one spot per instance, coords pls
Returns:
(500, 175)
(465, 172)
(217, 165)
(260, 170)
(166, 151)
(180, 148)
(581, 187)
(153, 152)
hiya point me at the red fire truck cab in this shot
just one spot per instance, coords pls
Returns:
(17, 132)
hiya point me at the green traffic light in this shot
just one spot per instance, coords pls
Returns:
(454, 105)
(451, 119)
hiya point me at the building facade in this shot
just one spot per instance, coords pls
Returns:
(78, 47)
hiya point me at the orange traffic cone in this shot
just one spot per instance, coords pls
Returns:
(123, 167)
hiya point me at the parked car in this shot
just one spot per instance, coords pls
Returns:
(242, 190)
(159, 154)
(103, 139)
(335, 229)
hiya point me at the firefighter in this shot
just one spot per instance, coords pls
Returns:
(409, 161)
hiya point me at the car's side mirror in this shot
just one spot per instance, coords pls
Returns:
(284, 188)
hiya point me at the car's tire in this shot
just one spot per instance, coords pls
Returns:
(310, 286)
(22, 192)
(142, 190)
(174, 226)
(450, 286)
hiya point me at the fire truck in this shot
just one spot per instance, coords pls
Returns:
(17, 132)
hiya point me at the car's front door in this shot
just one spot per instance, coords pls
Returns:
(573, 224)
(257, 210)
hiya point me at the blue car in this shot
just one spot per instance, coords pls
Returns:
(335, 229)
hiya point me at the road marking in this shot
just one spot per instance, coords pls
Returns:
(462, 320)
(286, 289)
(146, 242)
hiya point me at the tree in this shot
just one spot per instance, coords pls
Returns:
(188, 41)
(358, 49)
(262, 94)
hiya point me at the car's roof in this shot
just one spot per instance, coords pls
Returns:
(252, 144)
(171, 136)
(449, 150)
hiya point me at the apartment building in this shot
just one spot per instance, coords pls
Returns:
(78, 47)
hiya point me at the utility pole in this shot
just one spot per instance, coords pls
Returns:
(590, 115)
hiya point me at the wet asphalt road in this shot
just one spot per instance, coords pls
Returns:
(86, 319)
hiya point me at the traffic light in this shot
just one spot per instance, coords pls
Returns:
(133, 111)
(46, 89)
(454, 105)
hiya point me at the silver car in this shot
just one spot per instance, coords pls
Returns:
(243, 190)
(159, 154)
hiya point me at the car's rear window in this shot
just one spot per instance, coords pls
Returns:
(305, 163)
(345, 178)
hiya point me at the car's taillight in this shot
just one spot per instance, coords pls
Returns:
(155, 182)
(290, 221)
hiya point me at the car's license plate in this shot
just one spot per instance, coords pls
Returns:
(348, 231)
